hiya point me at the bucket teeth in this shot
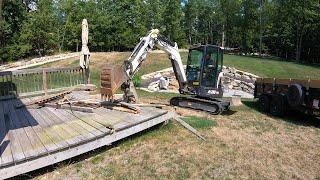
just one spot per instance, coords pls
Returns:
(111, 78)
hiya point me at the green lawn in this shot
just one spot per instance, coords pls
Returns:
(260, 67)
(272, 68)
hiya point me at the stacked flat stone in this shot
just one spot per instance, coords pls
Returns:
(238, 80)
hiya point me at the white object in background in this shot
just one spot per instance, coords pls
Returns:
(85, 54)
(164, 83)
(316, 103)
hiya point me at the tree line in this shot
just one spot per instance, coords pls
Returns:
(283, 28)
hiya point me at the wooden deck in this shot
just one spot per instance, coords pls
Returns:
(34, 138)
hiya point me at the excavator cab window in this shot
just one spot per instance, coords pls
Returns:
(194, 66)
(210, 66)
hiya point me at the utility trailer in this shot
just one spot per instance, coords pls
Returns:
(278, 96)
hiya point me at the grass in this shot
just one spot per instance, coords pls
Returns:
(272, 68)
(156, 95)
(199, 123)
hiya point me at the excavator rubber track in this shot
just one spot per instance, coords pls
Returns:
(213, 106)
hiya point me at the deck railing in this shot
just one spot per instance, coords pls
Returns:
(39, 81)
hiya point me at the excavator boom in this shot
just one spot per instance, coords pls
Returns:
(113, 77)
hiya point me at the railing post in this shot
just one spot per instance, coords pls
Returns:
(87, 75)
(44, 82)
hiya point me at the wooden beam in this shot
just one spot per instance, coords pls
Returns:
(190, 128)
(44, 99)
(70, 107)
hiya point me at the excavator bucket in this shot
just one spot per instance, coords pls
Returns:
(111, 79)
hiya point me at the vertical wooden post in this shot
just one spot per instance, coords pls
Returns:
(87, 74)
(44, 82)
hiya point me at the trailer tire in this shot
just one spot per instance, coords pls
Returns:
(295, 95)
(277, 105)
(264, 103)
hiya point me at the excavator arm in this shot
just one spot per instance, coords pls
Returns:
(113, 77)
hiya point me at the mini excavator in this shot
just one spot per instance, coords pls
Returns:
(200, 85)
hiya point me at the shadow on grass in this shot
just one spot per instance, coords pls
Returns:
(228, 113)
(293, 117)
(153, 131)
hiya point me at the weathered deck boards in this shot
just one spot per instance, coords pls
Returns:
(32, 138)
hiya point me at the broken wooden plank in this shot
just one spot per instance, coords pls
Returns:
(190, 128)
(44, 99)
(70, 107)
(130, 106)
(122, 109)
(123, 104)
(151, 105)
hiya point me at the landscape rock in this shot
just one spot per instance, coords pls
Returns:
(234, 80)
(238, 80)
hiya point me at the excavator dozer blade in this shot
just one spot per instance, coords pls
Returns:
(111, 79)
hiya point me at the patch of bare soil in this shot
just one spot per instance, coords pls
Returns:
(99, 59)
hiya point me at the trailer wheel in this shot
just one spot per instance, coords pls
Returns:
(295, 95)
(264, 103)
(277, 107)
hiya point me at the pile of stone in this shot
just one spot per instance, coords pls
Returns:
(238, 80)
(152, 82)
(235, 82)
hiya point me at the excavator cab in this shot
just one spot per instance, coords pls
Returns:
(204, 66)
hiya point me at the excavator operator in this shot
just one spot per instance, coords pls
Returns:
(208, 60)
(209, 70)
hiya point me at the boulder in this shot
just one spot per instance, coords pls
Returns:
(251, 85)
(237, 76)
(245, 78)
